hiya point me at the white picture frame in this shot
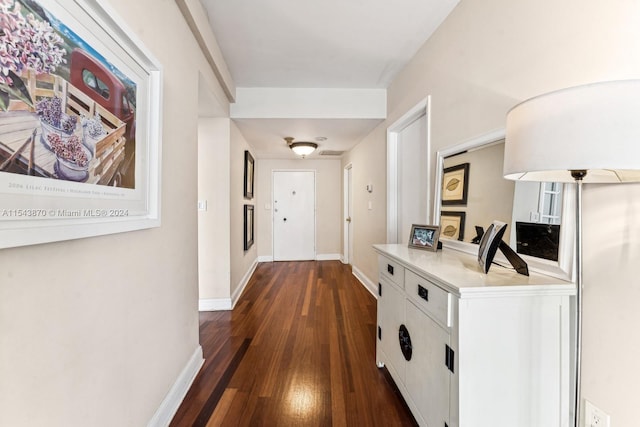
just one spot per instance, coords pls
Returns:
(48, 208)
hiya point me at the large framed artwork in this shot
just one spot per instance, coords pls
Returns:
(80, 137)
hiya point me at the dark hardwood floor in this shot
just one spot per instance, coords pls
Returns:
(297, 350)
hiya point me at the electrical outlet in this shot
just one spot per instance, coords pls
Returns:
(594, 416)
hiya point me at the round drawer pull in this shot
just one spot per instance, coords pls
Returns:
(405, 342)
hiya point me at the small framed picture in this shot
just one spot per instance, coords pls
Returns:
(455, 185)
(249, 166)
(489, 244)
(424, 237)
(452, 224)
(248, 227)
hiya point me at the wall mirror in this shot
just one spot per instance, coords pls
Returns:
(470, 192)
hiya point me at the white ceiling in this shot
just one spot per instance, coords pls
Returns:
(318, 44)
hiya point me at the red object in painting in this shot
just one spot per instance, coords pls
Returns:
(95, 80)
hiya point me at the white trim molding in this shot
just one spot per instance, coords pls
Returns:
(225, 304)
(328, 257)
(243, 283)
(178, 391)
(214, 304)
(366, 282)
(422, 109)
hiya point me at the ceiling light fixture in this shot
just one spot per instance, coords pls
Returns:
(303, 148)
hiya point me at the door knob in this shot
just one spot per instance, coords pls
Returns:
(348, 219)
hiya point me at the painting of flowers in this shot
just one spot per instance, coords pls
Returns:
(80, 106)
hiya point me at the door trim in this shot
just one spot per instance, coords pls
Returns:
(347, 207)
(423, 108)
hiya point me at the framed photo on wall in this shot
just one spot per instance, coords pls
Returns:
(249, 169)
(424, 237)
(455, 185)
(452, 224)
(248, 226)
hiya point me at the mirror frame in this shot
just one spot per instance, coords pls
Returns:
(564, 267)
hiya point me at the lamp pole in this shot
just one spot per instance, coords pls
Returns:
(578, 176)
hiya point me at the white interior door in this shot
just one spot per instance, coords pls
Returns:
(412, 177)
(294, 215)
(409, 172)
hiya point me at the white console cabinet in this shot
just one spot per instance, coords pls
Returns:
(468, 349)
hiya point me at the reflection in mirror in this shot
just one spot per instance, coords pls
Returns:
(539, 214)
(489, 197)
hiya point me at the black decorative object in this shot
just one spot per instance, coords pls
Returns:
(491, 241)
(538, 240)
(405, 342)
(479, 233)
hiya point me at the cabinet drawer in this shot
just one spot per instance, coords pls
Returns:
(391, 270)
(431, 298)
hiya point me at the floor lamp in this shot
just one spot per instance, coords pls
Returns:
(583, 134)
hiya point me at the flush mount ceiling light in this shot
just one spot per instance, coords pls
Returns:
(303, 148)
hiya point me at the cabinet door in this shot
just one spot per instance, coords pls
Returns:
(390, 317)
(427, 376)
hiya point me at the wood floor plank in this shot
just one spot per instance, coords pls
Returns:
(298, 350)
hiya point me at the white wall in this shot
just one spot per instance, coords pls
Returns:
(328, 203)
(241, 262)
(214, 236)
(369, 166)
(486, 57)
(94, 332)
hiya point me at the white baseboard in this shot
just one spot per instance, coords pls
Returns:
(214, 304)
(366, 282)
(319, 257)
(225, 304)
(243, 283)
(328, 257)
(178, 391)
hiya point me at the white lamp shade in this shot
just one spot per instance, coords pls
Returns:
(594, 127)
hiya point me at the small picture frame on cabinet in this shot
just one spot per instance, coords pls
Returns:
(424, 237)
(489, 244)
